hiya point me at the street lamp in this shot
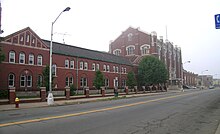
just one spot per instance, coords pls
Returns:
(202, 77)
(182, 72)
(50, 99)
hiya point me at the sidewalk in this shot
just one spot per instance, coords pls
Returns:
(72, 101)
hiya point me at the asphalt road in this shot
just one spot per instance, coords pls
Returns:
(191, 112)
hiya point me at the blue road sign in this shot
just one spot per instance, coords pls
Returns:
(217, 21)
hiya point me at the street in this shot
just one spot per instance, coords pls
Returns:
(189, 112)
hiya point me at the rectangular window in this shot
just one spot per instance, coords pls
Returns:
(97, 66)
(29, 81)
(21, 58)
(22, 81)
(123, 83)
(106, 82)
(72, 64)
(31, 59)
(93, 66)
(54, 70)
(122, 70)
(66, 63)
(81, 66)
(83, 82)
(39, 60)
(125, 71)
(104, 68)
(12, 57)
(71, 81)
(11, 80)
(116, 69)
(108, 68)
(67, 81)
(113, 69)
(85, 66)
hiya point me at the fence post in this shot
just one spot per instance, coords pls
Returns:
(126, 90)
(135, 89)
(87, 92)
(103, 91)
(43, 94)
(12, 95)
(67, 93)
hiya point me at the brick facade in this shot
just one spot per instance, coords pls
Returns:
(23, 72)
(134, 44)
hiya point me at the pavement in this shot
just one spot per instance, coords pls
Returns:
(7, 107)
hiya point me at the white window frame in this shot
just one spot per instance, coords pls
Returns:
(22, 58)
(31, 59)
(129, 50)
(39, 60)
(116, 69)
(145, 49)
(93, 66)
(11, 57)
(66, 63)
(67, 82)
(106, 82)
(85, 66)
(83, 82)
(113, 69)
(70, 80)
(22, 80)
(122, 69)
(117, 52)
(72, 64)
(29, 80)
(11, 80)
(97, 66)
(108, 68)
(81, 65)
(104, 68)
(54, 70)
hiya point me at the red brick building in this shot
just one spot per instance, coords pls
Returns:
(134, 44)
(26, 56)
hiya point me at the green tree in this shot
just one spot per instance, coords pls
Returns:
(131, 80)
(46, 73)
(152, 71)
(99, 80)
(2, 56)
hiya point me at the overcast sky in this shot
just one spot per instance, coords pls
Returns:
(92, 24)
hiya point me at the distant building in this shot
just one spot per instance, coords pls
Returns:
(189, 78)
(205, 81)
(134, 44)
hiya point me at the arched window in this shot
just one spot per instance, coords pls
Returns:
(117, 52)
(72, 64)
(130, 49)
(66, 63)
(21, 58)
(11, 57)
(130, 36)
(11, 80)
(39, 60)
(145, 49)
(31, 59)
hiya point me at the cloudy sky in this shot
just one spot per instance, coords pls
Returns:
(93, 23)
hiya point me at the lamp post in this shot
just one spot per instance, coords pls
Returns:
(202, 77)
(182, 72)
(50, 99)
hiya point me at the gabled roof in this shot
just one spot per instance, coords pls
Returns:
(74, 51)
(23, 32)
